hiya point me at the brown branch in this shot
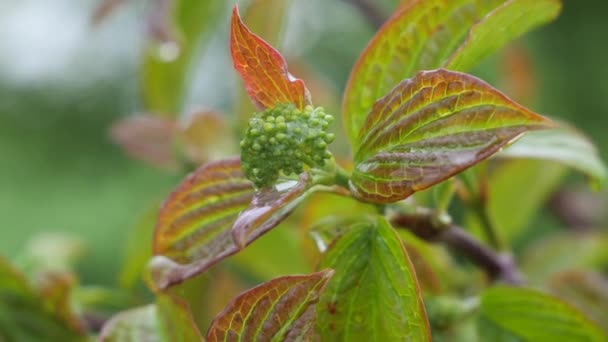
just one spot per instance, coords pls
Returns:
(370, 10)
(427, 226)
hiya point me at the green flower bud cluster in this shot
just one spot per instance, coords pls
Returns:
(284, 139)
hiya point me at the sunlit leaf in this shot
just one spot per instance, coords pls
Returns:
(424, 34)
(431, 127)
(565, 146)
(180, 28)
(374, 294)
(263, 69)
(213, 214)
(586, 290)
(168, 320)
(534, 316)
(27, 315)
(139, 324)
(282, 309)
(146, 138)
(505, 23)
(270, 27)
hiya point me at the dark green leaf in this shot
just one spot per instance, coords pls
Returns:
(282, 309)
(431, 127)
(538, 317)
(374, 295)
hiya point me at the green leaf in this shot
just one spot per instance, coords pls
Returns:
(518, 190)
(430, 128)
(29, 314)
(563, 145)
(564, 251)
(425, 35)
(374, 295)
(167, 320)
(184, 26)
(213, 214)
(282, 309)
(138, 249)
(538, 317)
(505, 23)
(588, 291)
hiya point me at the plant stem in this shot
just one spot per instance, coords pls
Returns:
(489, 230)
(426, 226)
(371, 11)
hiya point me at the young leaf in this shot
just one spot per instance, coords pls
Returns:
(374, 294)
(505, 23)
(534, 316)
(430, 128)
(214, 214)
(565, 146)
(424, 35)
(167, 320)
(263, 69)
(282, 309)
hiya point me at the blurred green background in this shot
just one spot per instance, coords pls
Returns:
(64, 81)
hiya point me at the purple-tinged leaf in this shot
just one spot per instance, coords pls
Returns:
(430, 128)
(282, 309)
(213, 214)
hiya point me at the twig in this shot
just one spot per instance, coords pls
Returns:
(370, 10)
(426, 226)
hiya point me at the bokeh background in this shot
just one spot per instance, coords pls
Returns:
(64, 81)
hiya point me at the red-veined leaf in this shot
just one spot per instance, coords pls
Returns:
(263, 69)
(424, 35)
(282, 309)
(431, 127)
(206, 136)
(214, 214)
(374, 294)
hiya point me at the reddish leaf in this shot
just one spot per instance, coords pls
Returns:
(263, 69)
(206, 136)
(146, 138)
(430, 128)
(104, 9)
(282, 309)
(201, 222)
